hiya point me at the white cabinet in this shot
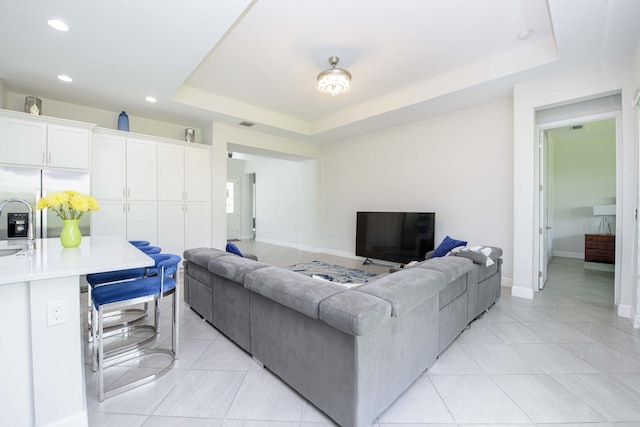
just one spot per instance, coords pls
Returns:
(124, 180)
(43, 141)
(184, 175)
(151, 189)
(183, 225)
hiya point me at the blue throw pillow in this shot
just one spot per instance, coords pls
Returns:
(233, 249)
(447, 245)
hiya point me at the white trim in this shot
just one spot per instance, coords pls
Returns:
(539, 128)
(625, 311)
(520, 292)
(599, 266)
(507, 282)
(567, 254)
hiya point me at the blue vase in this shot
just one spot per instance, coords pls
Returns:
(123, 122)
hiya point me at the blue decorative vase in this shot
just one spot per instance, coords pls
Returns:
(123, 122)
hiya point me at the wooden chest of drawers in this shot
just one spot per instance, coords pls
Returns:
(600, 248)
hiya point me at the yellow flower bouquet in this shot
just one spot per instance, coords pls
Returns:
(68, 204)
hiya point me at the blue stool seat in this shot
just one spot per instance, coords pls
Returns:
(138, 243)
(150, 249)
(118, 295)
(122, 291)
(96, 279)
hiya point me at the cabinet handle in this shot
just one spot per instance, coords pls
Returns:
(124, 207)
(128, 207)
(128, 193)
(124, 193)
(49, 158)
(186, 195)
(43, 157)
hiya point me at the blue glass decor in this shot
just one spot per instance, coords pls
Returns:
(123, 122)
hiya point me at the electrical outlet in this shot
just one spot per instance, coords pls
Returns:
(55, 313)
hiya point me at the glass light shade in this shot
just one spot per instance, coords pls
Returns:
(334, 80)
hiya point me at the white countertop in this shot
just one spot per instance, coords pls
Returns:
(50, 260)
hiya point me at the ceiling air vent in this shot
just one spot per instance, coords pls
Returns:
(577, 127)
(246, 124)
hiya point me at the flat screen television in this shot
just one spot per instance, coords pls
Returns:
(394, 236)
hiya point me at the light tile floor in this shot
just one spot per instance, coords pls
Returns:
(564, 358)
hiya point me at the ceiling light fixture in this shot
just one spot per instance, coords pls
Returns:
(334, 80)
(525, 34)
(58, 25)
(64, 78)
(150, 99)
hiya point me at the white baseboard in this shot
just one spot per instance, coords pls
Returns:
(625, 311)
(520, 292)
(507, 282)
(599, 266)
(567, 254)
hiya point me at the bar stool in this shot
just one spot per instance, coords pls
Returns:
(108, 277)
(117, 296)
(138, 243)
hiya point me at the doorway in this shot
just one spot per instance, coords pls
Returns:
(233, 208)
(577, 192)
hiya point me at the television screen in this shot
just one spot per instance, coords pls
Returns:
(395, 236)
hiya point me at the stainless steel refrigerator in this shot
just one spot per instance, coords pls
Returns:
(30, 185)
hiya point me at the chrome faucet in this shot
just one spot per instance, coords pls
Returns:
(30, 243)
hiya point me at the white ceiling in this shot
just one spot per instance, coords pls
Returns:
(235, 60)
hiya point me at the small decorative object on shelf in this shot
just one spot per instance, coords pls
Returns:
(33, 105)
(190, 135)
(123, 122)
(70, 206)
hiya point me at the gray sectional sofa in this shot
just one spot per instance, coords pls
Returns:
(349, 351)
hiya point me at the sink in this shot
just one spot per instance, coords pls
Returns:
(9, 252)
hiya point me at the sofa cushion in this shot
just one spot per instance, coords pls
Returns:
(202, 256)
(446, 245)
(450, 267)
(293, 290)
(233, 267)
(355, 313)
(405, 289)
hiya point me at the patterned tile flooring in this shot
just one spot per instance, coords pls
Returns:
(561, 359)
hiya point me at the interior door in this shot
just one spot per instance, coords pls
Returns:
(233, 211)
(544, 212)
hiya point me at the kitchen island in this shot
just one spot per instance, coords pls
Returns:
(41, 361)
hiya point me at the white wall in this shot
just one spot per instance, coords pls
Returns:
(563, 87)
(636, 73)
(584, 174)
(458, 165)
(3, 95)
(103, 118)
(297, 191)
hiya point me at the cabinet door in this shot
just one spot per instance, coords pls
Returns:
(108, 167)
(23, 142)
(198, 174)
(197, 226)
(170, 172)
(67, 147)
(141, 170)
(110, 220)
(142, 221)
(171, 227)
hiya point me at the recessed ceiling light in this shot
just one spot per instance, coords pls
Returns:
(65, 78)
(150, 99)
(58, 25)
(525, 34)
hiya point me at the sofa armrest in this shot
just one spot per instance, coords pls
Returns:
(355, 313)
(202, 256)
(293, 290)
(405, 289)
(233, 267)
